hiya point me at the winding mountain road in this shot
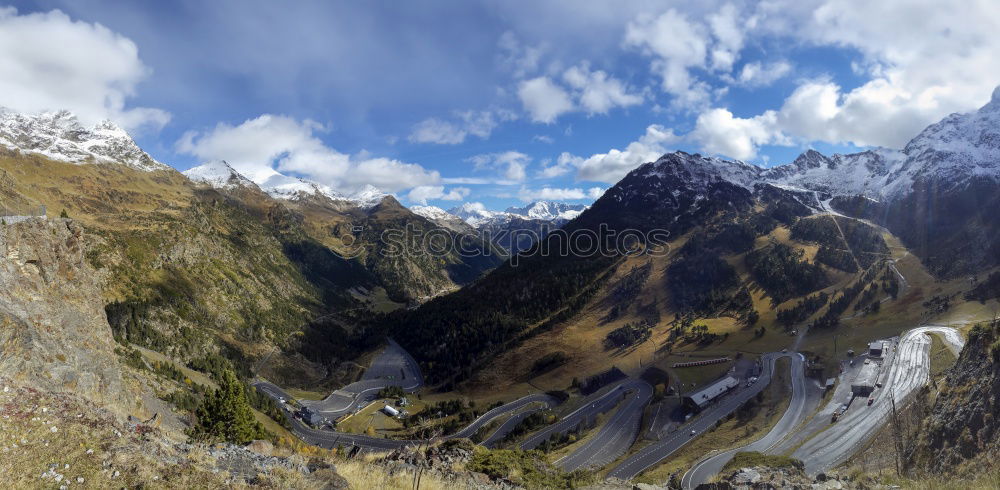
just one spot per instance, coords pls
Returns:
(616, 436)
(392, 367)
(908, 370)
(798, 410)
(543, 400)
(596, 404)
(652, 454)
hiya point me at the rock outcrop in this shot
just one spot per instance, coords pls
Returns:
(961, 433)
(768, 478)
(54, 335)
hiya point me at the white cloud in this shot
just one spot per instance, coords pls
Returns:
(676, 45)
(258, 147)
(421, 194)
(757, 74)
(921, 67)
(51, 62)
(564, 165)
(728, 34)
(435, 130)
(516, 57)
(513, 164)
(559, 194)
(597, 92)
(542, 138)
(475, 123)
(544, 100)
(719, 132)
(612, 166)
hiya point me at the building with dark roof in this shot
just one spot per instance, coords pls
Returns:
(698, 400)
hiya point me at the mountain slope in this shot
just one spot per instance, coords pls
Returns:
(395, 246)
(935, 195)
(190, 270)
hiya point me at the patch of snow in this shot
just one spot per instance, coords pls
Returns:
(548, 210)
(368, 197)
(219, 175)
(433, 213)
(60, 136)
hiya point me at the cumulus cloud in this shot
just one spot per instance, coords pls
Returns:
(676, 45)
(421, 194)
(612, 166)
(559, 194)
(920, 68)
(512, 164)
(258, 147)
(719, 132)
(543, 99)
(563, 165)
(597, 91)
(452, 132)
(51, 62)
(728, 32)
(757, 74)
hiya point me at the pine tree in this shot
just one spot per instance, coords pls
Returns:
(225, 414)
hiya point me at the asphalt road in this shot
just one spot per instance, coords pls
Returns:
(544, 401)
(907, 370)
(392, 367)
(327, 438)
(660, 450)
(596, 404)
(799, 408)
(505, 428)
(616, 436)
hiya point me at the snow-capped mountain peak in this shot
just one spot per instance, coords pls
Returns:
(218, 174)
(475, 213)
(368, 197)
(60, 136)
(548, 210)
(433, 213)
(281, 186)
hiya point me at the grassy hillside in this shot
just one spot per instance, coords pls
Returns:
(190, 271)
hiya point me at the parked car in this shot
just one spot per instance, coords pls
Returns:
(870, 401)
(693, 432)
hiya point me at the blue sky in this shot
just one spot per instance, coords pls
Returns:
(498, 102)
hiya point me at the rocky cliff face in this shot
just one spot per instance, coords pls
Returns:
(961, 433)
(53, 330)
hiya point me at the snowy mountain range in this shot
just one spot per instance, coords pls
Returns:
(220, 175)
(60, 136)
(951, 152)
(477, 215)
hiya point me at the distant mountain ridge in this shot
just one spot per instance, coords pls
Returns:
(221, 175)
(60, 136)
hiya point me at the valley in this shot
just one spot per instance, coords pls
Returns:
(750, 294)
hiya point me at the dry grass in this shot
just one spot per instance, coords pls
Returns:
(365, 474)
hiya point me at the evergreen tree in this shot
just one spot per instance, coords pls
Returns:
(225, 414)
